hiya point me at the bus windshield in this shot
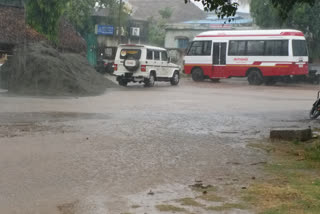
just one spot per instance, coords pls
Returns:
(299, 47)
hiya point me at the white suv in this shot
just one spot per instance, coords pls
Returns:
(144, 64)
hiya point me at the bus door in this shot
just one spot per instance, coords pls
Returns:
(219, 59)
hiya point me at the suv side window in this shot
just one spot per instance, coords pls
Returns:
(156, 55)
(164, 56)
(149, 54)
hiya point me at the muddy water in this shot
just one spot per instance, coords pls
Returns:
(105, 154)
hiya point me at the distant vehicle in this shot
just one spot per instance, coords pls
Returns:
(144, 64)
(261, 55)
(105, 66)
(315, 110)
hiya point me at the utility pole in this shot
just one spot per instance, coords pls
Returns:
(119, 24)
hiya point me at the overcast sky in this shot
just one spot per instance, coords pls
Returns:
(242, 8)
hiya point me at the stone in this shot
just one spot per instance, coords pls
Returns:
(290, 134)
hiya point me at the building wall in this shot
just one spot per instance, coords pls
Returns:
(109, 41)
(172, 36)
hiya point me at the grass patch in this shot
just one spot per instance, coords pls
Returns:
(227, 206)
(262, 146)
(313, 152)
(293, 184)
(135, 206)
(190, 202)
(211, 197)
(169, 208)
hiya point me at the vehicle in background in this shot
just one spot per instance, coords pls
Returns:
(264, 56)
(315, 110)
(105, 66)
(106, 60)
(3, 58)
(144, 64)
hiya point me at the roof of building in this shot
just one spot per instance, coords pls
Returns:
(144, 9)
(14, 30)
(239, 18)
(239, 33)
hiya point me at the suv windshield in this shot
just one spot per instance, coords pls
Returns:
(130, 54)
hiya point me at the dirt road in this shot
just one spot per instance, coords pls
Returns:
(105, 154)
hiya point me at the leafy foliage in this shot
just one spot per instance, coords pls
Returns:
(305, 18)
(229, 8)
(221, 7)
(79, 12)
(157, 27)
(166, 13)
(285, 6)
(43, 15)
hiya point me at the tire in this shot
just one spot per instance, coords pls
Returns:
(197, 75)
(314, 113)
(270, 81)
(123, 82)
(255, 77)
(175, 78)
(131, 68)
(150, 82)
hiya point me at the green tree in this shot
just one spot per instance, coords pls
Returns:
(44, 15)
(157, 31)
(305, 18)
(229, 8)
(166, 13)
(79, 13)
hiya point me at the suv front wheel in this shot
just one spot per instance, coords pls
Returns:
(150, 82)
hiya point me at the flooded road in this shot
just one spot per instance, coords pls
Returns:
(133, 149)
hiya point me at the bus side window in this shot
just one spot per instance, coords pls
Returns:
(255, 48)
(276, 48)
(299, 48)
(237, 48)
(207, 48)
(200, 48)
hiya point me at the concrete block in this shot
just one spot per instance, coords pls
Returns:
(291, 134)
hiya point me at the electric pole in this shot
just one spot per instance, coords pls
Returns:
(119, 24)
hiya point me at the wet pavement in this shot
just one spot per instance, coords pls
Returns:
(105, 154)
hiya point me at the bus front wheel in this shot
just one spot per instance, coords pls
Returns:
(255, 77)
(197, 75)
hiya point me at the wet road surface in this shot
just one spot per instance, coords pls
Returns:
(104, 154)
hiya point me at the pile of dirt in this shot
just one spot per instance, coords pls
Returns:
(39, 69)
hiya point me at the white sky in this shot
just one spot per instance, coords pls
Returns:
(242, 8)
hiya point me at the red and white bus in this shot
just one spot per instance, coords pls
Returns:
(260, 55)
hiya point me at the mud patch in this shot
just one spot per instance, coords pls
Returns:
(68, 208)
(33, 117)
(21, 129)
(197, 198)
